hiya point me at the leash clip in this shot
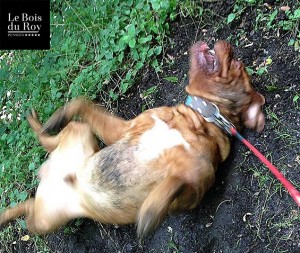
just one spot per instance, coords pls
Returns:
(210, 112)
(220, 120)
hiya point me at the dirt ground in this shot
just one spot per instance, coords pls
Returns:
(247, 210)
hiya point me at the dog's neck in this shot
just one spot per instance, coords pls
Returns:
(209, 111)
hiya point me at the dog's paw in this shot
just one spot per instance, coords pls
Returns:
(34, 122)
(33, 114)
(56, 122)
(148, 221)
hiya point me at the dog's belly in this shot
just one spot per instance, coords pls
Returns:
(114, 183)
(118, 178)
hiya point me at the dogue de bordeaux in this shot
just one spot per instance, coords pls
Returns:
(163, 160)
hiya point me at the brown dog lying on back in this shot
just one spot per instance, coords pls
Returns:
(163, 160)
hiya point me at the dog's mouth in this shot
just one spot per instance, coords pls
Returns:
(207, 58)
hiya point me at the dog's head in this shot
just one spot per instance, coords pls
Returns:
(220, 78)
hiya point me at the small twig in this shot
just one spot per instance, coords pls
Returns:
(224, 201)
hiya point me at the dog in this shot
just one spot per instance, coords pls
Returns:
(163, 160)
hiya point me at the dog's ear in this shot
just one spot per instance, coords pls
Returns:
(253, 117)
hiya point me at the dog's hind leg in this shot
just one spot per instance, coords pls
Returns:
(24, 208)
(40, 219)
(44, 218)
(157, 204)
(108, 127)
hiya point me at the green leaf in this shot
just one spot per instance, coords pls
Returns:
(131, 30)
(132, 43)
(154, 29)
(201, 11)
(297, 13)
(3, 137)
(22, 223)
(124, 87)
(272, 88)
(172, 79)
(22, 195)
(291, 42)
(128, 75)
(296, 98)
(230, 18)
(249, 70)
(125, 39)
(139, 65)
(272, 17)
(261, 71)
(150, 91)
(113, 95)
(155, 4)
(31, 166)
(150, 52)
(158, 50)
(145, 39)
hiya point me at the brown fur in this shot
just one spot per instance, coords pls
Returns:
(163, 160)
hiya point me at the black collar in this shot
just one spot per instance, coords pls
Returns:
(210, 112)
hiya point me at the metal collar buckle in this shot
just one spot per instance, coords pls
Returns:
(210, 112)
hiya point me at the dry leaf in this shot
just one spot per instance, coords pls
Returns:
(208, 225)
(285, 8)
(25, 238)
(245, 216)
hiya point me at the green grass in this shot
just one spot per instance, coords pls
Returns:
(97, 49)
(268, 191)
(266, 17)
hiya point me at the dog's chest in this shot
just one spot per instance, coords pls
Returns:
(158, 139)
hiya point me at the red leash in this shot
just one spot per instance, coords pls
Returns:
(288, 185)
(211, 113)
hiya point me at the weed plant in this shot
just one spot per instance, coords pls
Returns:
(97, 47)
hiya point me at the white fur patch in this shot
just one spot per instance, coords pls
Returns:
(159, 138)
(58, 195)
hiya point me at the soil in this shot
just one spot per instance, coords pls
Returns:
(247, 210)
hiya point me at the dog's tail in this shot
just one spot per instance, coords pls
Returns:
(21, 209)
(64, 115)
(157, 204)
(101, 122)
(47, 141)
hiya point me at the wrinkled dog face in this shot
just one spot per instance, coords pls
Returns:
(218, 76)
